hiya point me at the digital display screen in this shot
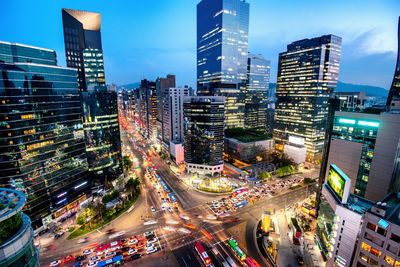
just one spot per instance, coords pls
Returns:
(336, 181)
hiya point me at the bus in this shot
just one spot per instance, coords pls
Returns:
(250, 262)
(234, 246)
(115, 261)
(172, 197)
(240, 191)
(203, 254)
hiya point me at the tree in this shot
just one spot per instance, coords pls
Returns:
(127, 163)
(81, 219)
(132, 186)
(280, 159)
(264, 176)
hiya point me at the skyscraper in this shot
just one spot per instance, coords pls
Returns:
(175, 123)
(307, 74)
(222, 45)
(394, 93)
(366, 147)
(162, 91)
(258, 70)
(42, 147)
(204, 134)
(147, 108)
(83, 51)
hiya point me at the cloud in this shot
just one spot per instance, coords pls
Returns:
(376, 41)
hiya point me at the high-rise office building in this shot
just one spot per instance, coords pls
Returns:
(258, 72)
(367, 148)
(42, 147)
(162, 91)
(307, 75)
(204, 134)
(147, 108)
(175, 124)
(394, 93)
(102, 136)
(84, 52)
(83, 49)
(222, 45)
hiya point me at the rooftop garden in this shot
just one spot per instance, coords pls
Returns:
(247, 135)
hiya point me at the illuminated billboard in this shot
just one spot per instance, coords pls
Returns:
(339, 182)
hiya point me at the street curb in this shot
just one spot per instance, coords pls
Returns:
(101, 227)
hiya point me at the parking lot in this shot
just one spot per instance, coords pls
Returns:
(113, 253)
(244, 196)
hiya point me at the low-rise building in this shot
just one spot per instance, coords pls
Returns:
(16, 239)
(379, 243)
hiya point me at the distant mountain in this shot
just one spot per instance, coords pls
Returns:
(129, 85)
(349, 87)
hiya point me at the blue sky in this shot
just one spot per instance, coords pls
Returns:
(150, 38)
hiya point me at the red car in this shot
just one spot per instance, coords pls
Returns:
(69, 258)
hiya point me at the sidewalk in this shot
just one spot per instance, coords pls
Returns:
(286, 250)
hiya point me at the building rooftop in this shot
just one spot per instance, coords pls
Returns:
(358, 204)
(391, 207)
(247, 135)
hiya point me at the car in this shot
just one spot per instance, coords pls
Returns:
(110, 231)
(149, 245)
(170, 209)
(150, 237)
(82, 240)
(151, 250)
(92, 264)
(132, 241)
(87, 251)
(95, 258)
(110, 254)
(118, 234)
(80, 258)
(136, 256)
(146, 234)
(163, 208)
(152, 240)
(125, 249)
(185, 217)
(100, 252)
(78, 264)
(153, 209)
(69, 258)
(132, 251)
(58, 234)
(300, 260)
(55, 263)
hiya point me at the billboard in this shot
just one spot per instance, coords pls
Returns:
(339, 182)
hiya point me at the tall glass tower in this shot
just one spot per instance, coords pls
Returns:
(307, 74)
(394, 93)
(42, 146)
(258, 71)
(83, 51)
(222, 48)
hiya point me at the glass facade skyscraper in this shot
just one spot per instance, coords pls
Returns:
(204, 133)
(307, 75)
(103, 146)
(394, 93)
(83, 51)
(42, 148)
(258, 72)
(222, 48)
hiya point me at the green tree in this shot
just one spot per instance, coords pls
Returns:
(264, 176)
(81, 219)
(132, 186)
(127, 163)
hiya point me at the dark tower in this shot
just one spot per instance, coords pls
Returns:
(394, 93)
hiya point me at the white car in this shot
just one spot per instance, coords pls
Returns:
(149, 245)
(132, 241)
(82, 240)
(87, 251)
(92, 264)
(100, 252)
(118, 234)
(170, 209)
(184, 230)
(153, 209)
(185, 217)
(211, 217)
(152, 240)
(55, 263)
(151, 250)
(95, 258)
(132, 251)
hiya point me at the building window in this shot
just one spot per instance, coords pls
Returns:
(381, 231)
(389, 260)
(395, 238)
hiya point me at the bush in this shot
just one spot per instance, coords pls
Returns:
(308, 180)
(285, 171)
(111, 196)
(265, 176)
(10, 227)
